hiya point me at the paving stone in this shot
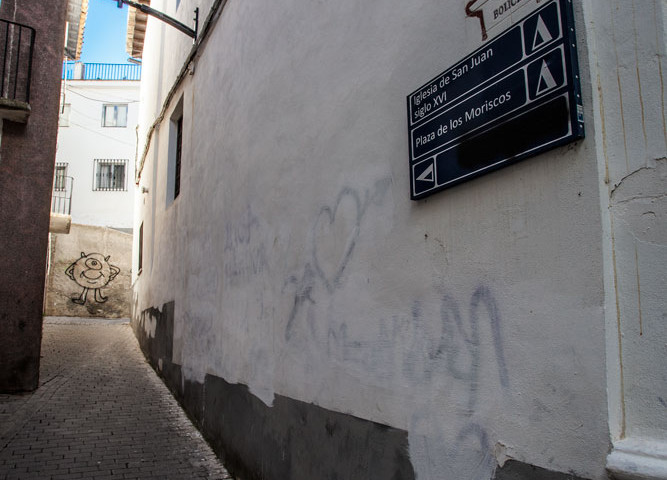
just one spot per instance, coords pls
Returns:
(100, 412)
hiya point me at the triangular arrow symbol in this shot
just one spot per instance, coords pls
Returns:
(546, 80)
(427, 175)
(542, 34)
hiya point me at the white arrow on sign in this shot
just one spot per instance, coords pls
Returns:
(546, 80)
(542, 33)
(427, 175)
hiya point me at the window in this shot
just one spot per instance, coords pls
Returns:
(64, 115)
(179, 149)
(175, 154)
(114, 115)
(110, 175)
(141, 248)
(59, 177)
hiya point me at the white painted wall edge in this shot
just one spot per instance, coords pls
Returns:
(638, 459)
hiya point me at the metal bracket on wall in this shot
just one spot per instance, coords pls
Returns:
(165, 18)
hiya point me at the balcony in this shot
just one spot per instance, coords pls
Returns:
(16, 43)
(61, 201)
(100, 71)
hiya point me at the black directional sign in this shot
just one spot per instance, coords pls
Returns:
(514, 97)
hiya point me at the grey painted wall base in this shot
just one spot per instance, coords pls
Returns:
(296, 440)
(289, 440)
(513, 470)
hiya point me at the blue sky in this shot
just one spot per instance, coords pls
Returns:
(104, 37)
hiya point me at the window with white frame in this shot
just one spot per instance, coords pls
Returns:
(59, 176)
(114, 115)
(110, 175)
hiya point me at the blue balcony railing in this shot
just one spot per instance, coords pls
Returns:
(17, 44)
(100, 71)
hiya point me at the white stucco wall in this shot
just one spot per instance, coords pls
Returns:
(481, 320)
(629, 40)
(85, 139)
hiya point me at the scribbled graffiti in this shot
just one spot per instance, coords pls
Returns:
(449, 350)
(91, 272)
(244, 253)
(445, 351)
(334, 238)
(450, 344)
(470, 448)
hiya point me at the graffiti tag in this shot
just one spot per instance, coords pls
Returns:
(92, 272)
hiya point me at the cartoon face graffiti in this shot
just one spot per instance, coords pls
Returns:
(92, 272)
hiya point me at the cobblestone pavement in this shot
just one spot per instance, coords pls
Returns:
(100, 412)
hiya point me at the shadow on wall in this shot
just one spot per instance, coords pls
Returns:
(283, 435)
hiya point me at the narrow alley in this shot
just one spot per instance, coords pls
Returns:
(387, 240)
(100, 412)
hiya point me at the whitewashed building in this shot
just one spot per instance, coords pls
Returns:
(97, 139)
(319, 323)
(94, 188)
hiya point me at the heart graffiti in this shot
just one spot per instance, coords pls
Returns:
(334, 237)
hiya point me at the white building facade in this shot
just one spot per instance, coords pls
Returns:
(97, 140)
(93, 189)
(317, 323)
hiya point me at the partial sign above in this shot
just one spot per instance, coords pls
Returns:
(494, 13)
(514, 97)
